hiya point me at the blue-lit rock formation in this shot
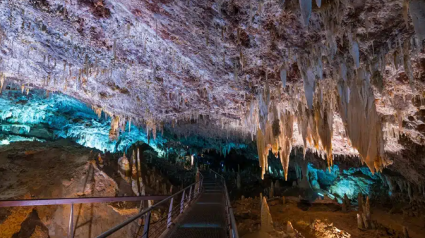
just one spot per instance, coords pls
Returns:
(44, 116)
(351, 182)
(48, 116)
(346, 176)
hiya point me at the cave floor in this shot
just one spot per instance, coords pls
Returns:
(322, 220)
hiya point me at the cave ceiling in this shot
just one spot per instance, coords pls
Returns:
(230, 69)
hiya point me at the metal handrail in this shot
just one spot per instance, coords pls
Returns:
(147, 212)
(64, 201)
(72, 201)
(233, 228)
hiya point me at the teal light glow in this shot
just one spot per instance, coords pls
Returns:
(340, 182)
(43, 118)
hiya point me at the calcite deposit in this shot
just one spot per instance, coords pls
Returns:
(337, 77)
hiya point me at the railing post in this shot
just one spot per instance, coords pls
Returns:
(182, 204)
(199, 187)
(190, 194)
(229, 221)
(146, 227)
(170, 212)
(71, 222)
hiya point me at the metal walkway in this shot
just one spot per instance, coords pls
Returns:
(202, 209)
(206, 217)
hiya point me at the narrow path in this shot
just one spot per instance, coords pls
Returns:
(205, 218)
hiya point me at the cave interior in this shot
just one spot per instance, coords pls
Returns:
(313, 111)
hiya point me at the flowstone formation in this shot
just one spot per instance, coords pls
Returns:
(335, 77)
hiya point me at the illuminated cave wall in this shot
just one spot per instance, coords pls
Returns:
(351, 181)
(344, 177)
(44, 117)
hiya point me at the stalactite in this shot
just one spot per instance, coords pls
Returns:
(2, 77)
(97, 110)
(306, 7)
(362, 122)
(283, 77)
(129, 125)
(114, 131)
(417, 13)
(407, 63)
(285, 140)
(261, 152)
(319, 3)
(406, 12)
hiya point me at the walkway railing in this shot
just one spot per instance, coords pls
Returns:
(149, 228)
(231, 222)
(72, 201)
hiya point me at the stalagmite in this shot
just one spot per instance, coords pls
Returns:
(135, 187)
(124, 163)
(345, 204)
(359, 221)
(365, 221)
(261, 200)
(405, 232)
(100, 160)
(133, 164)
(360, 202)
(138, 162)
(365, 214)
(266, 217)
(366, 208)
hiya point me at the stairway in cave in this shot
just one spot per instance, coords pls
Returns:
(206, 217)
